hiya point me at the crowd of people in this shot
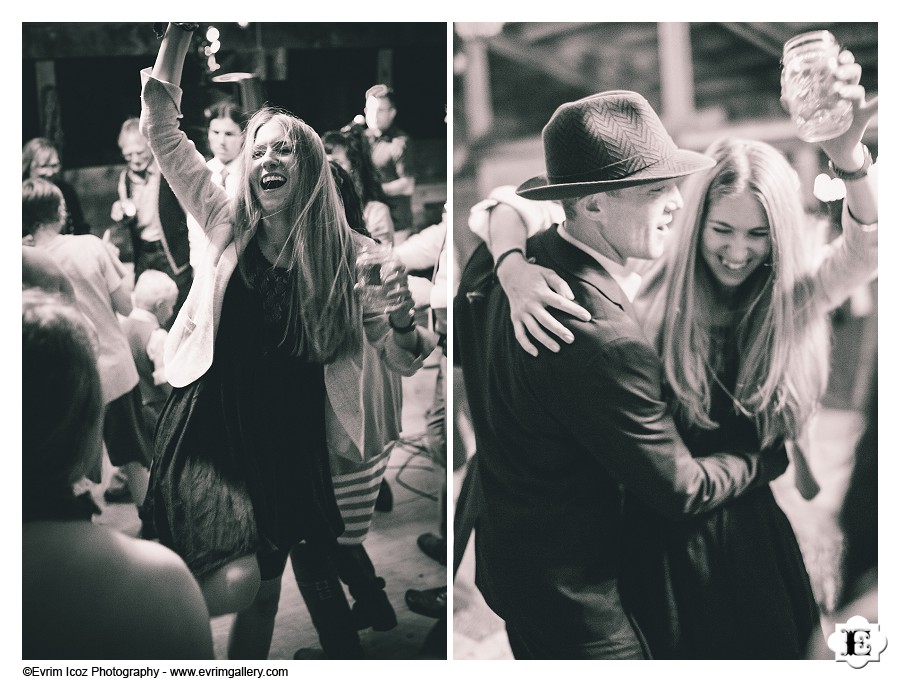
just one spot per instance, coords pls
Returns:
(247, 394)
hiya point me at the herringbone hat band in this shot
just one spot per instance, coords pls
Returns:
(607, 141)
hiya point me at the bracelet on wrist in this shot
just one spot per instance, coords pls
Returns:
(503, 255)
(407, 328)
(854, 175)
(403, 330)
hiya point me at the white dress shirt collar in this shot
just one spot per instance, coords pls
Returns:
(628, 280)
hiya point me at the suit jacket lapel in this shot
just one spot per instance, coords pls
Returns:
(564, 256)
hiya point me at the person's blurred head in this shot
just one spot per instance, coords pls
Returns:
(350, 150)
(135, 148)
(62, 406)
(43, 206)
(40, 159)
(349, 198)
(380, 109)
(157, 293)
(743, 244)
(285, 177)
(225, 129)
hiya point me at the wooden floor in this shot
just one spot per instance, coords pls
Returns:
(391, 544)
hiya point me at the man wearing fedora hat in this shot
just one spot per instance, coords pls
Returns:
(559, 433)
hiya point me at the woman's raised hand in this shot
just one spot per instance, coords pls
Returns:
(845, 150)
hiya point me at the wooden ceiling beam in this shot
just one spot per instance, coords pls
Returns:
(541, 60)
(758, 36)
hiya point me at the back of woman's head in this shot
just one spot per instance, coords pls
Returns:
(42, 204)
(36, 151)
(323, 315)
(349, 197)
(782, 348)
(61, 400)
(356, 148)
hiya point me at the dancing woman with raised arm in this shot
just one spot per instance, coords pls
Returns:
(270, 329)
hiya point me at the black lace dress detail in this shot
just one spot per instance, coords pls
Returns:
(728, 584)
(241, 462)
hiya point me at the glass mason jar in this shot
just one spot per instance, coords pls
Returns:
(809, 64)
(370, 265)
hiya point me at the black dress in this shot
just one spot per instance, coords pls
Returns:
(728, 584)
(241, 463)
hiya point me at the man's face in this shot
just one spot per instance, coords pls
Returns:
(636, 219)
(379, 113)
(225, 139)
(136, 153)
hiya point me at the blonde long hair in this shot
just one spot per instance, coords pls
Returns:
(782, 341)
(324, 319)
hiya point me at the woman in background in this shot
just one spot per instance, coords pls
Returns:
(40, 159)
(350, 150)
(88, 592)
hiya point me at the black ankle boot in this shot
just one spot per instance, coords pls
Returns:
(385, 500)
(332, 619)
(372, 609)
(326, 602)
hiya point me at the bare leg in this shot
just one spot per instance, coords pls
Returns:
(251, 632)
(232, 588)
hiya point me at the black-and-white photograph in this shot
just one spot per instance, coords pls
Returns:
(635, 262)
(234, 301)
(665, 340)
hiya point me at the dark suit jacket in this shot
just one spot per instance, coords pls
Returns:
(556, 436)
(174, 225)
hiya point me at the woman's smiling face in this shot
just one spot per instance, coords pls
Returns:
(735, 240)
(274, 167)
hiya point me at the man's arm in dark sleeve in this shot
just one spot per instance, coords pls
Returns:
(614, 405)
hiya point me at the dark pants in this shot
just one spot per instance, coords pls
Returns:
(124, 432)
(152, 256)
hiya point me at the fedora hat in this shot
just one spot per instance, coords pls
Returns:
(607, 141)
